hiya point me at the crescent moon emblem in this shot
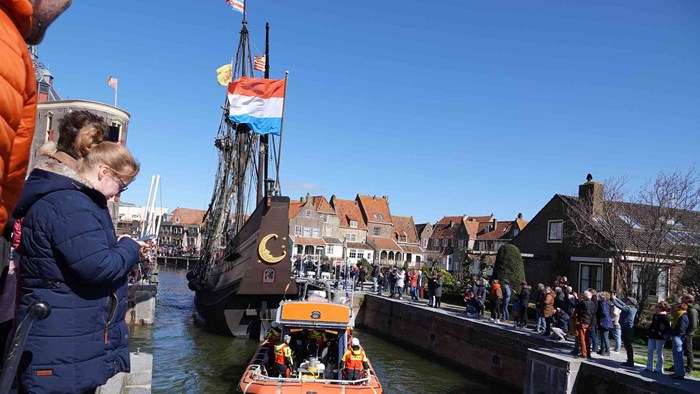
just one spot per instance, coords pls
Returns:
(265, 254)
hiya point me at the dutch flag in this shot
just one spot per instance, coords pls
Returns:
(257, 102)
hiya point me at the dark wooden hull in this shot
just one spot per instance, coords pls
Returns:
(254, 275)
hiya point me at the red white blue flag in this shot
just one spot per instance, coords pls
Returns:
(237, 5)
(257, 102)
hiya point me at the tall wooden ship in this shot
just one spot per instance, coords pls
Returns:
(245, 267)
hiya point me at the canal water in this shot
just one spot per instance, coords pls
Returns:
(187, 359)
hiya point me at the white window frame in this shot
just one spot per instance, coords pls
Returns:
(445, 242)
(403, 238)
(351, 237)
(436, 242)
(328, 231)
(549, 231)
(307, 213)
(352, 253)
(324, 218)
(307, 232)
(376, 231)
(316, 232)
(353, 223)
(119, 126)
(329, 249)
(298, 231)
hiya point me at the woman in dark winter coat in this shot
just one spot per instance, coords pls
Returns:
(605, 323)
(72, 259)
(659, 327)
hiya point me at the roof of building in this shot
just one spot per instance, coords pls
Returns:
(384, 243)
(294, 208)
(358, 245)
(411, 249)
(420, 227)
(322, 205)
(403, 225)
(187, 216)
(502, 229)
(332, 240)
(375, 209)
(348, 210)
(308, 241)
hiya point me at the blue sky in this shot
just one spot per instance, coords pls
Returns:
(449, 107)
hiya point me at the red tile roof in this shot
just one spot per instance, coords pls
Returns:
(502, 229)
(404, 225)
(358, 245)
(308, 241)
(348, 210)
(411, 249)
(322, 205)
(376, 209)
(384, 243)
(450, 219)
(294, 208)
(187, 216)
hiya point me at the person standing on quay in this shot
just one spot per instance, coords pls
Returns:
(627, 314)
(71, 258)
(506, 299)
(496, 299)
(524, 298)
(439, 281)
(585, 310)
(548, 310)
(659, 327)
(688, 338)
(679, 330)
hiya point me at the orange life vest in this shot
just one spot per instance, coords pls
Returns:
(354, 358)
(282, 352)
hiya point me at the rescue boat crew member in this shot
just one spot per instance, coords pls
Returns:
(284, 360)
(273, 334)
(354, 361)
(319, 337)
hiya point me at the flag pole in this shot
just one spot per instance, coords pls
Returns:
(279, 152)
(116, 89)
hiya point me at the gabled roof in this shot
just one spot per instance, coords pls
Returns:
(420, 227)
(375, 209)
(403, 225)
(348, 210)
(520, 223)
(308, 241)
(411, 249)
(187, 216)
(450, 219)
(502, 229)
(294, 208)
(322, 205)
(445, 230)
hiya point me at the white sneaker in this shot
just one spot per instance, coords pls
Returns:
(498, 321)
(492, 320)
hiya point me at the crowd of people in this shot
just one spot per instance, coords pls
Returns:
(590, 317)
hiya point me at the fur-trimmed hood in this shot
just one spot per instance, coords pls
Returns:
(51, 176)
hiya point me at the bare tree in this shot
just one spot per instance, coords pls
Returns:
(645, 233)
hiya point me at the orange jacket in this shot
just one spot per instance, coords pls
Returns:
(18, 98)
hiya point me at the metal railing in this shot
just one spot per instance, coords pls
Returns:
(39, 310)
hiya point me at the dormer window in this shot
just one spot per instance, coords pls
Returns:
(381, 216)
(402, 238)
(353, 223)
(374, 215)
(308, 213)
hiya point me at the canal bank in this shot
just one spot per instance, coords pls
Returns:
(520, 359)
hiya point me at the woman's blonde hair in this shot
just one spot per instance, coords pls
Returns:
(110, 154)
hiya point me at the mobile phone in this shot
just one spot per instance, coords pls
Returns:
(147, 238)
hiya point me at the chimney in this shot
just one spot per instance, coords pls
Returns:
(386, 198)
(592, 193)
(520, 215)
(494, 224)
(308, 196)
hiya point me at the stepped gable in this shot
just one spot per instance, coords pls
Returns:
(322, 205)
(403, 225)
(348, 210)
(375, 209)
(187, 216)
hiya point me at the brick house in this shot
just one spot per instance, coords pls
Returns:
(406, 236)
(183, 229)
(549, 248)
(352, 229)
(305, 223)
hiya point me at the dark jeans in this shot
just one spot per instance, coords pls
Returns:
(688, 352)
(605, 340)
(593, 335)
(496, 309)
(627, 341)
(548, 325)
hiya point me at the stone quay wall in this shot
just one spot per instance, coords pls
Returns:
(476, 345)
